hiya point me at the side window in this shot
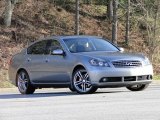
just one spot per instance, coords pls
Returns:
(38, 48)
(54, 44)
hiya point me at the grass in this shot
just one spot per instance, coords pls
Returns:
(156, 77)
(5, 84)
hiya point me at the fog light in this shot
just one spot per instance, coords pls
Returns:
(104, 80)
(101, 63)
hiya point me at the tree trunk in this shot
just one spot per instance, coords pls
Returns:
(110, 9)
(77, 18)
(8, 13)
(115, 22)
(127, 23)
(156, 19)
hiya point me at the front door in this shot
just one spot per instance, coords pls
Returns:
(57, 70)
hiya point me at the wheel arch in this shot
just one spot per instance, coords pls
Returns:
(72, 72)
(92, 89)
(77, 67)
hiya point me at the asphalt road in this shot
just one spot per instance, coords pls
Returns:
(61, 104)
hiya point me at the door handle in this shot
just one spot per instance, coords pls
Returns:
(46, 60)
(28, 59)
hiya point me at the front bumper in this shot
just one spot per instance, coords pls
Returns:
(98, 73)
(120, 84)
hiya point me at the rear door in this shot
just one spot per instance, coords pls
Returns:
(36, 61)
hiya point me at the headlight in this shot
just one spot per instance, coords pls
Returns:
(96, 62)
(147, 62)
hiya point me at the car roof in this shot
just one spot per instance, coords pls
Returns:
(74, 36)
(63, 37)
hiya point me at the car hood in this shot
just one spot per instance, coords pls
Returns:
(113, 55)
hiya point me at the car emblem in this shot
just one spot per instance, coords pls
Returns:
(128, 63)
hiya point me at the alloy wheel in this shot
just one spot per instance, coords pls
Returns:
(82, 83)
(22, 81)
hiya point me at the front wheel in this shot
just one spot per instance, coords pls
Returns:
(82, 83)
(138, 87)
(23, 83)
(72, 89)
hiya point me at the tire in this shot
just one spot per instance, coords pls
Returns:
(72, 89)
(138, 87)
(23, 83)
(82, 83)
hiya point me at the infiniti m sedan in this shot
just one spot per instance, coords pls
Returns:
(81, 63)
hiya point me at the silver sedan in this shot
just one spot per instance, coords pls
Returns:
(82, 63)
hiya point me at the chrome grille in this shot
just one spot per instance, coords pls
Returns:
(126, 63)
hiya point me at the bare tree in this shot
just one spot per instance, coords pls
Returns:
(127, 23)
(115, 22)
(110, 9)
(151, 21)
(77, 18)
(155, 39)
(10, 4)
(156, 18)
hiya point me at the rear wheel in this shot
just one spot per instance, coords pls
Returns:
(82, 83)
(138, 87)
(23, 83)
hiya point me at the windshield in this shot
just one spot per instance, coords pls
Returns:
(76, 45)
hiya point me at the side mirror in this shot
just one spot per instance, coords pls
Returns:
(57, 52)
(121, 49)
